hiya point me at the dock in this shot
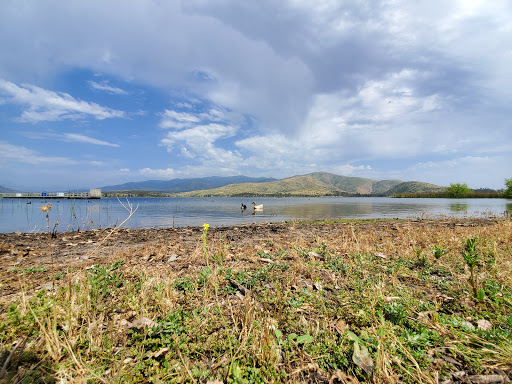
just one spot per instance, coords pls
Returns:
(92, 194)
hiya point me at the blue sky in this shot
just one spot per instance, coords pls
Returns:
(96, 93)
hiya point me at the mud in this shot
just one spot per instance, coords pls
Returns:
(28, 260)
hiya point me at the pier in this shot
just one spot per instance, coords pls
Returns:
(92, 194)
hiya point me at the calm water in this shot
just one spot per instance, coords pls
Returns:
(18, 215)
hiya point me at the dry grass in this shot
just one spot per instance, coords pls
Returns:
(274, 309)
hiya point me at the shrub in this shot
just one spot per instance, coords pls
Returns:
(458, 190)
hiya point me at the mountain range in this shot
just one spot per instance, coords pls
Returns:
(313, 184)
(184, 185)
(6, 190)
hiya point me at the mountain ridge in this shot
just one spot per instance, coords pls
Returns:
(312, 184)
(183, 185)
(6, 190)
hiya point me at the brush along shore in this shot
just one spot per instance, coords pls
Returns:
(426, 301)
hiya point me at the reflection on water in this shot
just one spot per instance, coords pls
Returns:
(18, 215)
(509, 209)
(322, 211)
(459, 207)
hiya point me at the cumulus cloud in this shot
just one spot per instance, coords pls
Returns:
(45, 105)
(199, 142)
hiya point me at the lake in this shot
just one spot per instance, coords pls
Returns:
(25, 215)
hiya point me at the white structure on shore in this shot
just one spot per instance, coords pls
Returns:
(92, 194)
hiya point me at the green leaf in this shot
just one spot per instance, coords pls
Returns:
(304, 339)
(353, 337)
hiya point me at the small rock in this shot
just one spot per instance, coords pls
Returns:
(318, 286)
(487, 379)
(314, 255)
(172, 258)
(50, 286)
(468, 325)
(124, 323)
(142, 322)
(459, 374)
(484, 324)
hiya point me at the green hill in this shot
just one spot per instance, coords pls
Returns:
(182, 185)
(414, 187)
(313, 184)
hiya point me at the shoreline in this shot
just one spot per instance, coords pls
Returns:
(293, 299)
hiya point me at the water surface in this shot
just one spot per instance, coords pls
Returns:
(26, 216)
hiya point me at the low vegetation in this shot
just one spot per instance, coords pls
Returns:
(459, 190)
(508, 191)
(382, 301)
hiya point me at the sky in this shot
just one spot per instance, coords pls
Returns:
(96, 93)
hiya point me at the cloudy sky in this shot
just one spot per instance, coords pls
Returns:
(96, 92)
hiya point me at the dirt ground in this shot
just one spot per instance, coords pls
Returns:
(33, 256)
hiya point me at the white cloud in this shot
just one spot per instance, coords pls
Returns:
(198, 142)
(75, 137)
(160, 173)
(173, 119)
(199, 137)
(107, 88)
(44, 105)
(67, 137)
(13, 154)
(16, 153)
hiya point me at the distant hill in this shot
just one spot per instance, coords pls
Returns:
(414, 187)
(313, 184)
(6, 190)
(184, 185)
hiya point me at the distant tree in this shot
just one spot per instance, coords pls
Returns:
(508, 191)
(458, 190)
